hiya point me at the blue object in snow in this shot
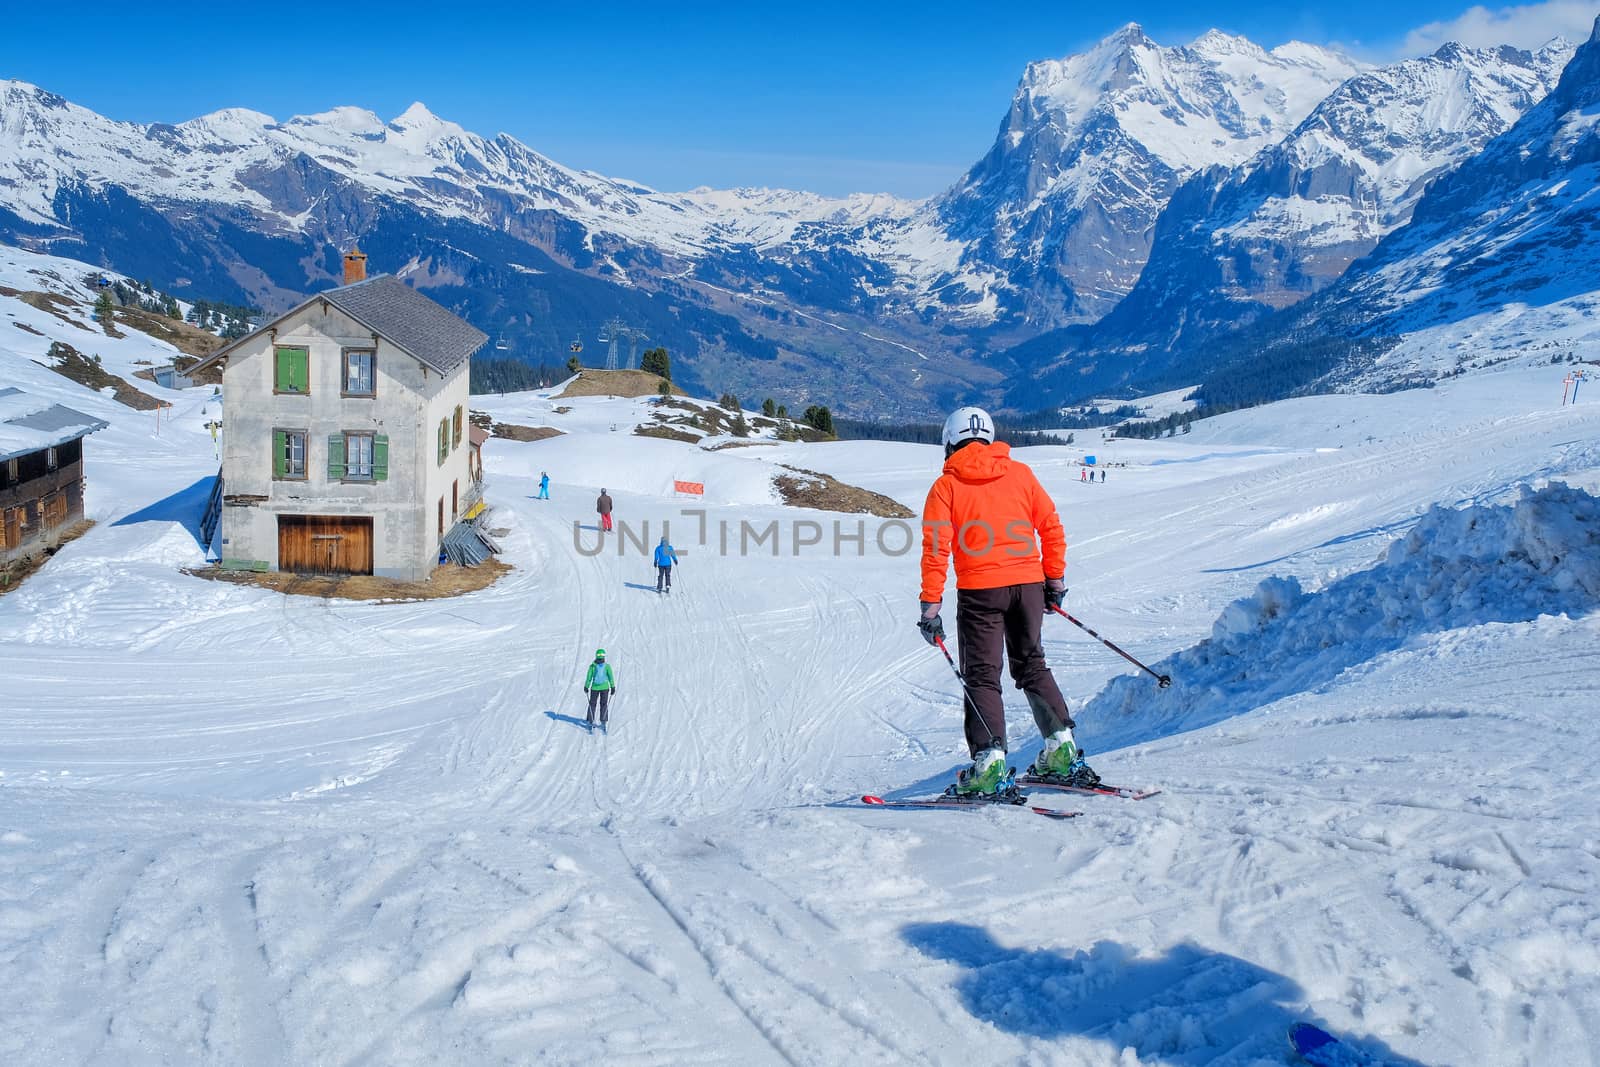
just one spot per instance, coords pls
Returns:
(1089, 460)
(1321, 1049)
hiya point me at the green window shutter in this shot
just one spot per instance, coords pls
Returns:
(279, 447)
(335, 456)
(380, 457)
(293, 370)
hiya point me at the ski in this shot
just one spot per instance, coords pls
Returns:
(1099, 789)
(1321, 1049)
(1017, 801)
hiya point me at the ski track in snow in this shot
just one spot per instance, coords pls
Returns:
(242, 828)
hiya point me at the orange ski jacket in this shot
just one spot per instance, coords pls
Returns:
(992, 512)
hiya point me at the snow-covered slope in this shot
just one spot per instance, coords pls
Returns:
(239, 827)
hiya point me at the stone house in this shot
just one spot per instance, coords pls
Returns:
(345, 434)
(41, 472)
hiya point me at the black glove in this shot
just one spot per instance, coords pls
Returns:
(931, 625)
(1055, 594)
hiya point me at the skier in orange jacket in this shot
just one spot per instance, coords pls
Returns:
(990, 511)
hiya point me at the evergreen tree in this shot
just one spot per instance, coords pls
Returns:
(664, 389)
(657, 361)
(574, 365)
(819, 418)
(729, 401)
(104, 306)
(769, 407)
(741, 428)
(783, 411)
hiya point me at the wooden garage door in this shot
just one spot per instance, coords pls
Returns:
(325, 544)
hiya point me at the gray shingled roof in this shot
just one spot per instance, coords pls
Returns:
(29, 423)
(399, 314)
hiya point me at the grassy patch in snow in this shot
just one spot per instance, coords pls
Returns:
(823, 492)
(629, 383)
(513, 432)
(70, 363)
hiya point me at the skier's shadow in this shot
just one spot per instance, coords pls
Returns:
(1190, 1006)
(646, 588)
(575, 721)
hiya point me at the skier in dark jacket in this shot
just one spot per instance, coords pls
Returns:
(600, 682)
(666, 556)
(603, 506)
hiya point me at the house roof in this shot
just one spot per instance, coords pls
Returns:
(29, 423)
(390, 308)
(477, 435)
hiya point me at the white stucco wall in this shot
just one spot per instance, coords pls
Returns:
(409, 402)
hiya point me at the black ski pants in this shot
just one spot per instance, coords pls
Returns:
(664, 577)
(1008, 619)
(602, 697)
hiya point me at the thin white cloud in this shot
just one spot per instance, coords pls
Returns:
(1524, 26)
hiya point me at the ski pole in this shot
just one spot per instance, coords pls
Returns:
(1162, 680)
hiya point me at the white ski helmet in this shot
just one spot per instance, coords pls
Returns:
(968, 424)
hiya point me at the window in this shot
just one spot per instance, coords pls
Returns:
(289, 454)
(444, 440)
(358, 456)
(455, 429)
(13, 472)
(441, 518)
(51, 461)
(292, 370)
(455, 499)
(358, 371)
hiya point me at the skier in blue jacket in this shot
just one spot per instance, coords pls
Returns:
(544, 486)
(666, 556)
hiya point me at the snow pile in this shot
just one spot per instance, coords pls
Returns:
(1456, 568)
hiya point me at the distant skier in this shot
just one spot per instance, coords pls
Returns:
(601, 684)
(991, 511)
(603, 506)
(666, 556)
(1102, 476)
(544, 486)
(1083, 475)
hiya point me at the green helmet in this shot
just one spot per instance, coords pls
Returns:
(599, 653)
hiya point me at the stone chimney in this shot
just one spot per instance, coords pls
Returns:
(355, 266)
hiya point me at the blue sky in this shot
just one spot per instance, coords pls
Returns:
(828, 96)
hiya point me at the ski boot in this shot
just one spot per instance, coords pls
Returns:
(1062, 761)
(988, 775)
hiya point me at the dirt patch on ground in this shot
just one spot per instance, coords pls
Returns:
(615, 383)
(70, 363)
(30, 329)
(12, 574)
(448, 580)
(512, 432)
(824, 492)
(741, 444)
(190, 340)
(57, 306)
(667, 433)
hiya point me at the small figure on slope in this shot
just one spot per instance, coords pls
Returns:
(603, 507)
(1010, 559)
(600, 683)
(666, 556)
(544, 486)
